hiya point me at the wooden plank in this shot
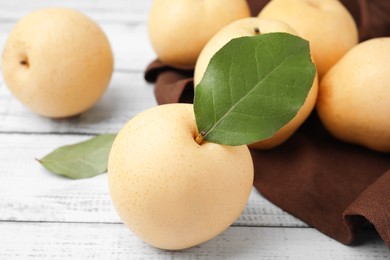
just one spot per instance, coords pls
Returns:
(30, 193)
(127, 96)
(115, 241)
(101, 10)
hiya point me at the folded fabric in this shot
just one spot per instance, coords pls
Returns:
(336, 187)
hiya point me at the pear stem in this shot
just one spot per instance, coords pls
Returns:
(199, 137)
(24, 63)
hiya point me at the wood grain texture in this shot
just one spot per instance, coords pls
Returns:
(127, 96)
(103, 11)
(43, 216)
(28, 192)
(115, 241)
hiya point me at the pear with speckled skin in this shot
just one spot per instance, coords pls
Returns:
(57, 62)
(354, 97)
(326, 24)
(169, 190)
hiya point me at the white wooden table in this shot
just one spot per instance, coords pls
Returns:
(44, 216)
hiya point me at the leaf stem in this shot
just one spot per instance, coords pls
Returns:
(199, 138)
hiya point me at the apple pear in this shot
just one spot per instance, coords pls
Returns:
(179, 29)
(242, 27)
(249, 27)
(171, 191)
(326, 24)
(57, 62)
(354, 96)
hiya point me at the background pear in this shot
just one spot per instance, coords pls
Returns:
(179, 29)
(57, 62)
(326, 24)
(354, 96)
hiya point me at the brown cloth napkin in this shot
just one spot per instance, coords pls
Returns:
(336, 187)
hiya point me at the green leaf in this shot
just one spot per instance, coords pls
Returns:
(82, 160)
(252, 87)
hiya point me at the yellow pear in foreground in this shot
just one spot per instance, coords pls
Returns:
(179, 29)
(169, 190)
(326, 24)
(354, 96)
(251, 27)
(57, 62)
